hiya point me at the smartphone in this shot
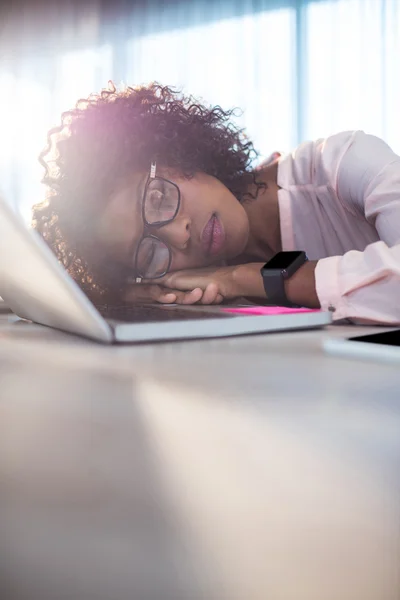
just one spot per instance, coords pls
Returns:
(384, 347)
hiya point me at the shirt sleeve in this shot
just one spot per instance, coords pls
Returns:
(365, 286)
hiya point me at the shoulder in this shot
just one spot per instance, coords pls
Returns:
(313, 160)
(320, 161)
(355, 150)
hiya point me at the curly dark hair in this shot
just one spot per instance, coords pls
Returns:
(113, 133)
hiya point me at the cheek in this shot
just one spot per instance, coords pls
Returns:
(238, 229)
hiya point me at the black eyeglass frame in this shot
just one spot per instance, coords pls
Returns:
(148, 226)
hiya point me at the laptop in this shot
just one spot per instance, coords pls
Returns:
(36, 287)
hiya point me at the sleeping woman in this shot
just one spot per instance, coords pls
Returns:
(153, 196)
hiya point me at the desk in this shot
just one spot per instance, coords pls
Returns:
(252, 468)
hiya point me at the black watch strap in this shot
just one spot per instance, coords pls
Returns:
(278, 270)
(275, 290)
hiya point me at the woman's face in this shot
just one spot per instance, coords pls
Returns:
(210, 228)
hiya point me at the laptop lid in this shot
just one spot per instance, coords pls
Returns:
(36, 287)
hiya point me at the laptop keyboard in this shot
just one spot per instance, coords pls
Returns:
(151, 313)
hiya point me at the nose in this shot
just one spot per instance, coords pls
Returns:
(177, 233)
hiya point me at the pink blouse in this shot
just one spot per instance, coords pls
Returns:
(340, 202)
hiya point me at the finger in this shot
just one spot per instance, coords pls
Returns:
(180, 280)
(139, 293)
(210, 294)
(144, 293)
(150, 293)
(218, 299)
(178, 297)
(191, 297)
(167, 298)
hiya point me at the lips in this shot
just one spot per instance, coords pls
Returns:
(213, 236)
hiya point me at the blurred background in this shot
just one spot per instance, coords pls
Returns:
(299, 69)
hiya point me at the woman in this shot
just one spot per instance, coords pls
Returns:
(152, 196)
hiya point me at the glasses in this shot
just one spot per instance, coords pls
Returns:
(160, 205)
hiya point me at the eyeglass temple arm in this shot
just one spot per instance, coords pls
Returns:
(152, 176)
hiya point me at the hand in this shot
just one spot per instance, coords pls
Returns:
(212, 285)
(140, 293)
(216, 283)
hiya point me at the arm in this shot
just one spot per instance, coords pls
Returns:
(300, 288)
(216, 284)
(358, 285)
(366, 285)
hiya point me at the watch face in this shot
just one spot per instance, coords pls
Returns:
(282, 260)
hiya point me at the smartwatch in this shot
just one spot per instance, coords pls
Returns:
(275, 272)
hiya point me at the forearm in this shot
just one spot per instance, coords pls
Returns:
(300, 288)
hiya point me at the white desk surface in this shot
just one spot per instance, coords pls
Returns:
(252, 468)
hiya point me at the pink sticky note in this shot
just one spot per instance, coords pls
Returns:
(269, 310)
